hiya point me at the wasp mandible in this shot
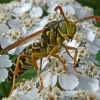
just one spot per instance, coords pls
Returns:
(53, 36)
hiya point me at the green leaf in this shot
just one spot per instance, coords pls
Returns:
(4, 89)
(98, 56)
(28, 74)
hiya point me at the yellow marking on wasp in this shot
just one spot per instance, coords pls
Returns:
(10, 77)
(12, 70)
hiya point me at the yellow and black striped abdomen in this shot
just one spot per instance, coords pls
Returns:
(25, 62)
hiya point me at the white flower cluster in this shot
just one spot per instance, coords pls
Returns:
(60, 81)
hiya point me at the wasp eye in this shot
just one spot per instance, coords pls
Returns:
(62, 27)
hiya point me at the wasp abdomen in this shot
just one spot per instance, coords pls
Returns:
(24, 61)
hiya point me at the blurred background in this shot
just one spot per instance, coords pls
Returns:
(95, 4)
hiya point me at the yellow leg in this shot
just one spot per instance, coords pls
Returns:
(72, 57)
(13, 86)
(37, 55)
(75, 55)
(15, 74)
(40, 64)
(53, 53)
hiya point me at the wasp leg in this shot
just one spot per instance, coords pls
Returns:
(37, 55)
(15, 74)
(72, 57)
(13, 86)
(75, 55)
(40, 64)
(53, 53)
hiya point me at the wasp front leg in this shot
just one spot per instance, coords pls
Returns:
(75, 55)
(53, 53)
(60, 41)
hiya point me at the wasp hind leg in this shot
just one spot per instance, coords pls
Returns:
(15, 74)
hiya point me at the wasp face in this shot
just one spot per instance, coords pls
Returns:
(66, 29)
(71, 29)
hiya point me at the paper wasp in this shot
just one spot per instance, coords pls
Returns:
(52, 38)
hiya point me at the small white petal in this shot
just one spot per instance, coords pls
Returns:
(24, 30)
(36, 12)
(14, 24)
(93, 58)
(73, 43)
(62, 97)
(23, 9)
(98, 94)
(3, 74)
(88, 83)
(67, 98)
(44, 21)
(44, 62)
(68, 81)
(50, 3)
(35, 29)
(32, 93)
(12, 51)
(93, 48)
(15, 92)
(3, 28)
(51, 9)
(16, 51)
(22, 97)
(68, 9)
(48, 78)
(77, 9)
(83, 14)
(71, 93)
(54, 80)
(4, 61)
(91, 36)
(5, 42)
(97, 41)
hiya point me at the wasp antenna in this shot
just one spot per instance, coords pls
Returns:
(61, 11)
(95, 16)
(89, 17)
